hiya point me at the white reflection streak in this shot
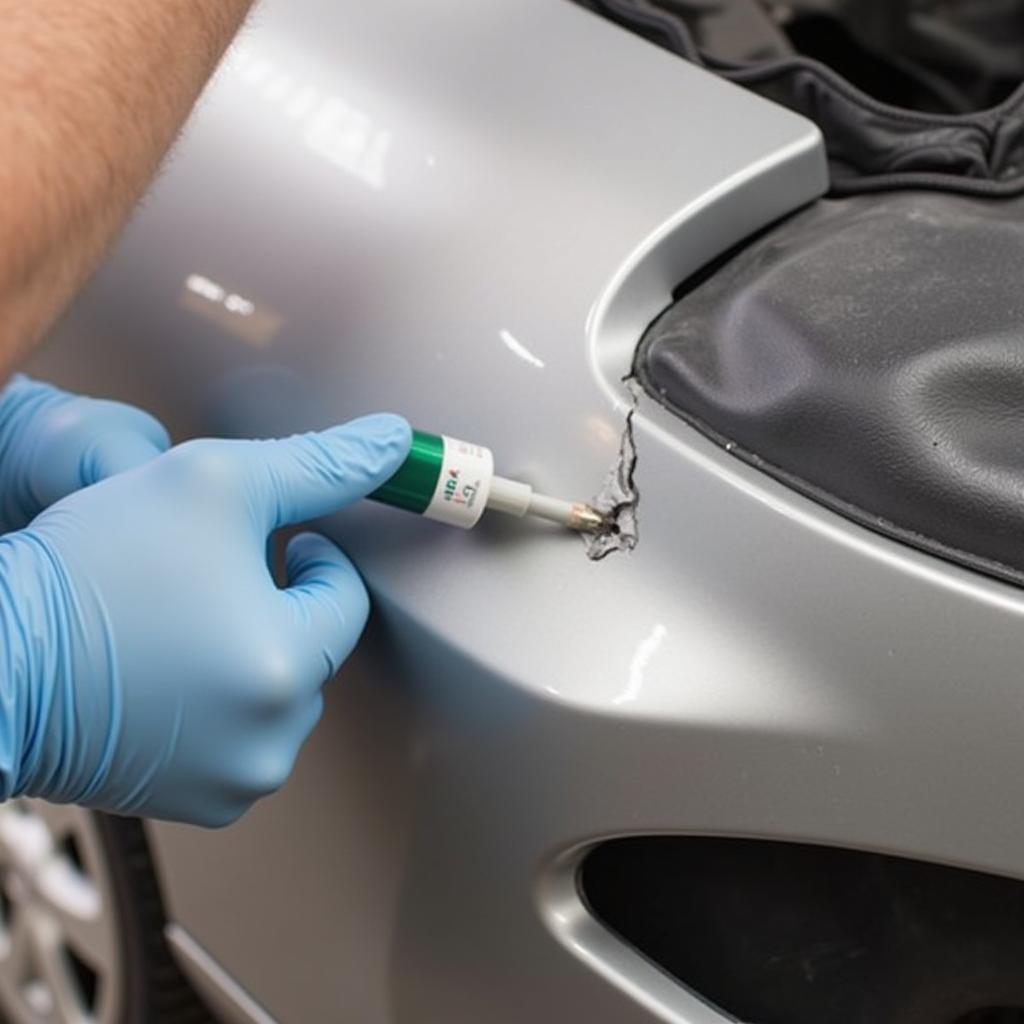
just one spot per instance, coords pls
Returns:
(302, 103)
(518, 348)
(236, 304)
(638, 664)
(213, 292)
(335, 130)
(199, 285)
(349, 139)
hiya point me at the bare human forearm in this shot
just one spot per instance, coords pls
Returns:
(92, 93)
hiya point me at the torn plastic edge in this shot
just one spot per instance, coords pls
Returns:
(619, 497)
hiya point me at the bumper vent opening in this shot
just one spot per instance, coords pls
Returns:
(786, 933)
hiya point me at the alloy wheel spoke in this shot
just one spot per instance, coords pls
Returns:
(54, 970)
(60, 957)
(60, 819)
(67, 887)
(86, 932)
(25, 840)
(14, 964)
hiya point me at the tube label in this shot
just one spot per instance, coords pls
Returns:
(463, 485)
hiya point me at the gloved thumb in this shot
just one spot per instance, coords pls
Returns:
(329, 600)
(310, 475)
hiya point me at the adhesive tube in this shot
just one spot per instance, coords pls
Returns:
(443, 479)
(453, 481)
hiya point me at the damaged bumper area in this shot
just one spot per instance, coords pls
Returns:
(619, 497)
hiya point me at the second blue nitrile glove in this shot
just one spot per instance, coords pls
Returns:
(150, 665)
(53, 443)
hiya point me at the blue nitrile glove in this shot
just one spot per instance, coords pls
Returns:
(53, 443)
(150, 665)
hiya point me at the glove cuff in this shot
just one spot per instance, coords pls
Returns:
(43, 623)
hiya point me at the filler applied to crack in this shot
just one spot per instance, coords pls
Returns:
(453, 482)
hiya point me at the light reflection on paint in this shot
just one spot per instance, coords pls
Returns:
(332, 127)
(348, 139)
(642, 656)
(199, 285)
(600, 430)
(236, 304)
(230, 311)
(213, 292)
(518, 348)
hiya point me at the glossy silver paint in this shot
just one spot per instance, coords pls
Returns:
(467, 211)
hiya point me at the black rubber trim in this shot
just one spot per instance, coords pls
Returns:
(156, 992)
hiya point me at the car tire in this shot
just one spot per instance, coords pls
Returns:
(82, 923)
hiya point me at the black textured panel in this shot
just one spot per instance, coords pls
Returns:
(895, 87)
(783, 933)
(870, 352)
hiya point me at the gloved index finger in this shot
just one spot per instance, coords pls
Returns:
(311, 475)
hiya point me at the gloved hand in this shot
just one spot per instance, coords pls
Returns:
(53, 443)
(150, 665)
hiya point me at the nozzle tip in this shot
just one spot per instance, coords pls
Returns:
(587, 519)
